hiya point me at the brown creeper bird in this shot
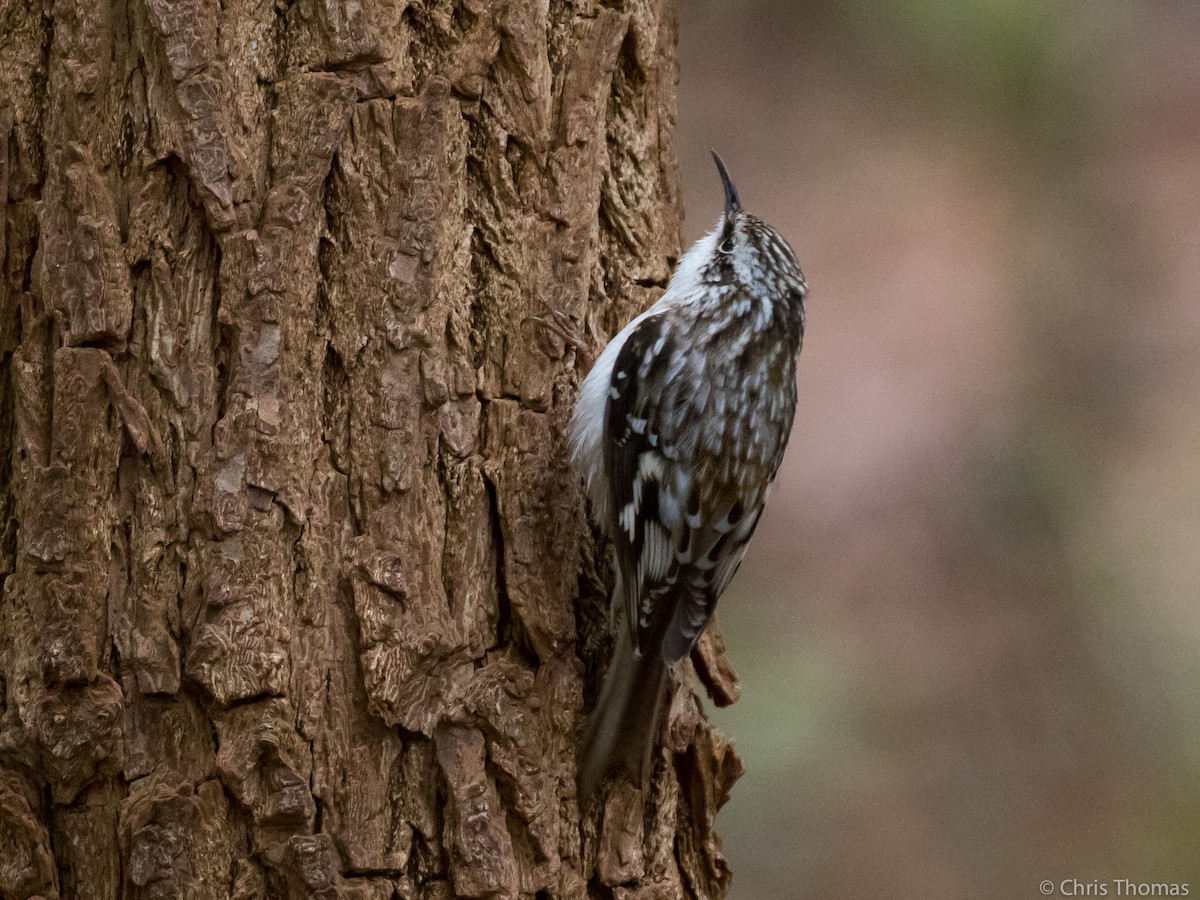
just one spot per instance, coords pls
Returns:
(678, 431)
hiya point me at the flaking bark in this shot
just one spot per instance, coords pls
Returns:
(291, 557)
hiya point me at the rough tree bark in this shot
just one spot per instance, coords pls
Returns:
(291, 556)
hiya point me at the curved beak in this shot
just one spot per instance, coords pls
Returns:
(733, 203)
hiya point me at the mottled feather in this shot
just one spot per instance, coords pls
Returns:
(678, 431)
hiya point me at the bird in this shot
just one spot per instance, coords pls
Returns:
(677, 433)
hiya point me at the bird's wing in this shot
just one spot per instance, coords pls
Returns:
(643, 510)
(679, 528)
(688, 478)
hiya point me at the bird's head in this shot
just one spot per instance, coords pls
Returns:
(745, 253)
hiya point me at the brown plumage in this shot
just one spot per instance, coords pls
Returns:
(679, 430)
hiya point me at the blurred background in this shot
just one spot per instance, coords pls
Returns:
(968, 629)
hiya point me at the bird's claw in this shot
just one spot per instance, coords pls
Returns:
(561, 325)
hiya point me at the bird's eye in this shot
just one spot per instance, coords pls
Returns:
(727, 245)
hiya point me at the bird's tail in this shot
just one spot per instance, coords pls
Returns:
(624, 726)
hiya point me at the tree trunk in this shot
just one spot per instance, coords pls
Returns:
(291, 554)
